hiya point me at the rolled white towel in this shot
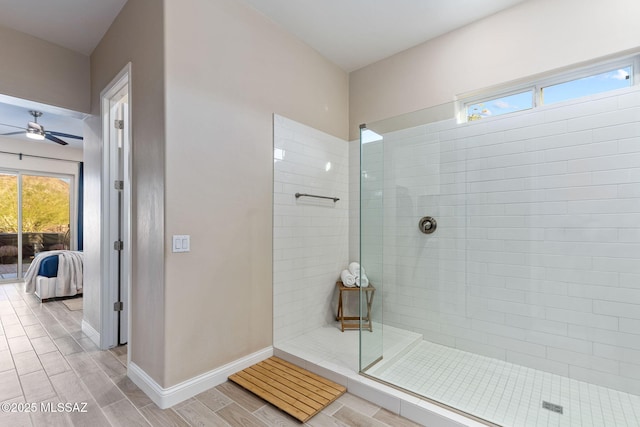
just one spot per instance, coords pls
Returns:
(356, 269)
(362, 282)
(348, 279)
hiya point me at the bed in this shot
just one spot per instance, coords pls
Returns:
(55, 274)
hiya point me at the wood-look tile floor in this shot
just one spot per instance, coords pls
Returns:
(46, 360)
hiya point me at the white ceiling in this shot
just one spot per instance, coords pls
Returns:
(356, 33)
(14, 114)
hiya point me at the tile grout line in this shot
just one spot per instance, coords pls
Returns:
(44, 306)
(125, 397)
(57, 395)
(13, 360)
(68, 323)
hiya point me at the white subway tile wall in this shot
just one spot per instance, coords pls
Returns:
(536, 259)
(310, 236)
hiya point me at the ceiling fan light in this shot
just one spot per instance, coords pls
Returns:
(35, 134)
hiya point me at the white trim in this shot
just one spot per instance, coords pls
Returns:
(108, 292)
(496, 96)
(167, 397)
(592, 70)
(127, 178)
(91, 332)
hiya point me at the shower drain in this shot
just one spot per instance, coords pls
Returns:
(552, 407)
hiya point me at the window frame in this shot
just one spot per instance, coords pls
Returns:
(537, 86)
(498, 95)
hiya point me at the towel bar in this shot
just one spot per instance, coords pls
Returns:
(335, 199)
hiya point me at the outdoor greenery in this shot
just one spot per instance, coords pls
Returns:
(45, 204)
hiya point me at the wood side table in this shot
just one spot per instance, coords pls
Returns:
(367, 323)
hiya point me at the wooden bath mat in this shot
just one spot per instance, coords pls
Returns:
(294, 390)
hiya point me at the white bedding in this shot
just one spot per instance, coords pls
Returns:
(69, 272)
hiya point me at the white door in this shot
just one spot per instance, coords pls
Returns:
(119, 113)
(116, 211)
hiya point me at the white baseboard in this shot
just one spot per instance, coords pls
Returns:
(89, 331)
(167, 397)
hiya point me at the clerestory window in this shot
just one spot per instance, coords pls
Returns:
(562, 87)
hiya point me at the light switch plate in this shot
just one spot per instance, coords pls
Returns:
(181, 243)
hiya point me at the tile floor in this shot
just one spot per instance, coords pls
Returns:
(345, 346)
(339, 362)
(46, 359)
(505, 393)
(501, 392)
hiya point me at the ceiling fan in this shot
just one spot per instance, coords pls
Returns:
(35, 130)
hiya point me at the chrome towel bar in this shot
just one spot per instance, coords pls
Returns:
(335, 199)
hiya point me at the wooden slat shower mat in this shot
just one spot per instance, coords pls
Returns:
(294, 390)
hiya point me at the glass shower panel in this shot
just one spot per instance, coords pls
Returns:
(522, 306)
(423, 270)
(8, 226)
(371, 245)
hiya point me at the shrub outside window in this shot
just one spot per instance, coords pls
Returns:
(502, 105)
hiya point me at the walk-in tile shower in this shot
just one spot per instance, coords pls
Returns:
(524, 300)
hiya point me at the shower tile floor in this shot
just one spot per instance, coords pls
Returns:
(344, 349)
(500, 392)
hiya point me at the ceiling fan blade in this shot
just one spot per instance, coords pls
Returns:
(54, 139)
(13, 133)
(66, 135)
(11, 126)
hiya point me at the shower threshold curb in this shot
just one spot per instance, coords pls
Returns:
(417, 409)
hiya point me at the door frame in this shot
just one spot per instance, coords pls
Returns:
(109, 287)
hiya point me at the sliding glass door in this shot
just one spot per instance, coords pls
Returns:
(9, 236)
(35, 216)
(45, 215)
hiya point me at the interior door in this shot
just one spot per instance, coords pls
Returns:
(119, 113)
(116, 212)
